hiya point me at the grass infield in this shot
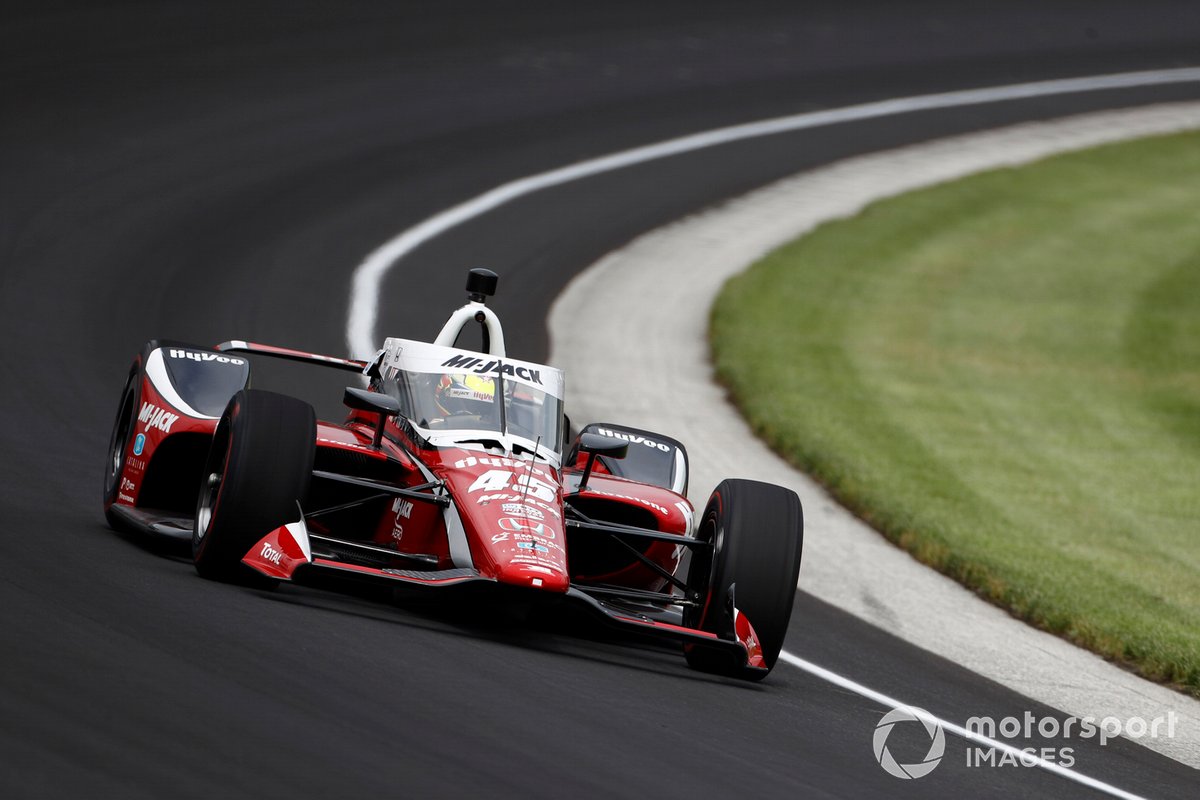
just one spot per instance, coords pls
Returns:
(1002, 374)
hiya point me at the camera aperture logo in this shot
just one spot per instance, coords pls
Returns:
(937, 743)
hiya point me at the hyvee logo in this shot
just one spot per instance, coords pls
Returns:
(633, 438)
(473, 364)
(155, 417)
(937, 743)
(203, 357)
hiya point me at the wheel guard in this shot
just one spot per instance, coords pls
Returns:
(749, 640)
(280, 552)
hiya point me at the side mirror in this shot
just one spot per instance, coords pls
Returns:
(596, 445)
(383, 404)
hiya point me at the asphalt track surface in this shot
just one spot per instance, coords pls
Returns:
(210, 173)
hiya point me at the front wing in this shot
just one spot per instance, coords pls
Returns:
(289, 548)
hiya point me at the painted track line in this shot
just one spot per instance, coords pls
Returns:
(959, 730)
(368, 277)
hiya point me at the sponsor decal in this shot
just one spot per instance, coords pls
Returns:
(497, 480)
(533, 546)
(124, 497)
(518, 510)
(648, 503)
(403, 509)
(127, 485)
(541, 561)
(155, 417)
(477, 365)
(389, 361)
(139, 444)
(518, 498)
(519, 525)
(688, 514)
(526, 466)
(193, 355)
(633, 438)
(269, 553)
(518, 538)
(349, 445)
(136, 464)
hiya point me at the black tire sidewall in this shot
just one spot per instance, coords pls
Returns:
(131, 394)
(757, 534)
(265, 444)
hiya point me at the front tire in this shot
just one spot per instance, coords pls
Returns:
(257, 472)
(757, 536)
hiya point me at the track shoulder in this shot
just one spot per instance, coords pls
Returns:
(662, 348)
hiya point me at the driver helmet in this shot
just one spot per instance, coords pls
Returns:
(466, 394)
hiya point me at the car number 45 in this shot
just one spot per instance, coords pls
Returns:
(497, 480)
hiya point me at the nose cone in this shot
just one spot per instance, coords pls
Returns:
(529, 552)
(512, 515)
(534, 576)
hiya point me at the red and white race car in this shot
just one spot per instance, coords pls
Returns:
(454, 467)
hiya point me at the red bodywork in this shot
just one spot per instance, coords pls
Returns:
(469, 515)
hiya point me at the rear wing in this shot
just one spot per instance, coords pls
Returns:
(239, 346)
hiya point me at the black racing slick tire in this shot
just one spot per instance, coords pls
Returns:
(118, 445)
(256, 475)
(757, 535)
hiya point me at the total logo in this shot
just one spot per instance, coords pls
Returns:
(155, 417)
(271, 554)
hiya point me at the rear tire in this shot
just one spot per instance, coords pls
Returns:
(257, 472)
(757, 533)
(118, 445)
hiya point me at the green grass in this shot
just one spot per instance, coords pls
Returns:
(1002, 375)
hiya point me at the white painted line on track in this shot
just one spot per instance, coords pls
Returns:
(959, 730)
(369, 275)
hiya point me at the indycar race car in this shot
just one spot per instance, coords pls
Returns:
(453, 467)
